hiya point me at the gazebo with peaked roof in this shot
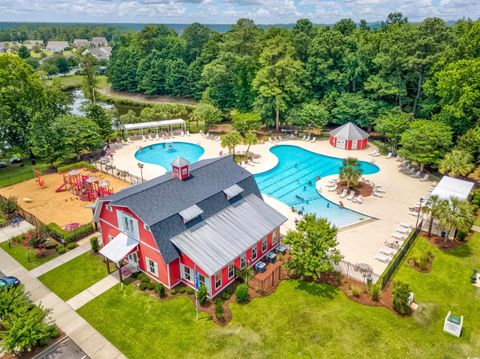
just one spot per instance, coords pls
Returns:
(349, 137)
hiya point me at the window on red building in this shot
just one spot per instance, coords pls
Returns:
(254, 253)
(218, 279)
(231, 271)
(264, 244)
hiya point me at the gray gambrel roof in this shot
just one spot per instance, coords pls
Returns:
(180, 162)
(224, 236)
(349, 131)
(158, 201)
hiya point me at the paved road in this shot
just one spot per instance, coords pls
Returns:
(64, 349)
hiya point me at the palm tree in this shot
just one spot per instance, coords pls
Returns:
(249, 139)
(431, 209)
(231, 140)
(246, 274)
(457, 163)
(455, 214)
(350, 171)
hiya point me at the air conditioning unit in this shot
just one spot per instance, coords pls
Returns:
(271, 257)
(281, 249)
(260, 267)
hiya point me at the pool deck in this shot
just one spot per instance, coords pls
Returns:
(359, 243)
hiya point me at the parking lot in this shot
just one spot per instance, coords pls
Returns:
(64, 349)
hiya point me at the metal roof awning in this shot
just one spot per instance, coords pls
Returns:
(221, 238)
(449, 187)
(119, 247)
(165, 123)
(233, 191)
(190, 213)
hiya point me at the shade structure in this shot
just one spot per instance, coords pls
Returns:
(449, 187)
(154, 124)
(349, 137)
(119, 247)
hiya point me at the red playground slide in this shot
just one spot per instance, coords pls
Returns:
(60, 187)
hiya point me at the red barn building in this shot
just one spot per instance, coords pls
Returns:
(207, 218)
(349, 137)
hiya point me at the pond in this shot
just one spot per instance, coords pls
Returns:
(77, 98)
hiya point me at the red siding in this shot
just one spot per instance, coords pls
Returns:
(174, 269)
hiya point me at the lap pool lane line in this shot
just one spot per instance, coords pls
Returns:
(304, 167)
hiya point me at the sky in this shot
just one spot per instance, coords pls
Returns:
(228, 11)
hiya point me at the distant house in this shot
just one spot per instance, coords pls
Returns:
(79, 43)
(57, 46)
(99, 42)
(30, 44)
(100, 53)
(198, 224)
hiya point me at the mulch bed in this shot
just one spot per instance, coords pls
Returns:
(413, 264)
(440, 243)
(363, 188)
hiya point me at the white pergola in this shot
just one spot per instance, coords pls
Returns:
(155, 124)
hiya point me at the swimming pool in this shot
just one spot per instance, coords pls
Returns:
(164, 153)
(291, 178)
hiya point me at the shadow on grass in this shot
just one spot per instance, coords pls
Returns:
(462, 251)
(318, 289)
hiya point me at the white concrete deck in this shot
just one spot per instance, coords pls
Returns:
(358, 243)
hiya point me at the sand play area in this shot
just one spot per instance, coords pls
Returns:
(57, 207)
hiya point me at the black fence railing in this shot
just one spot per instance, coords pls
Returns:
(111, 170)
(397, 260)
(356, 272)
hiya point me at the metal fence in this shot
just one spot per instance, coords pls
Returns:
(355, 272)
(397, 260)
(115, 172)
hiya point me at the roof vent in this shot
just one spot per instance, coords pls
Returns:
(233, 191)
(190, 213)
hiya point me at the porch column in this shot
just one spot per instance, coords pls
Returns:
(120, 272)
(108, 265)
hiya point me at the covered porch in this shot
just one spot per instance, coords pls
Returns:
(121, 251)
(156, 125)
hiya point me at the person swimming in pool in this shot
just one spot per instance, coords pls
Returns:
(328, 204)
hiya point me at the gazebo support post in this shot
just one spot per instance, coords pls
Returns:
(108, 265)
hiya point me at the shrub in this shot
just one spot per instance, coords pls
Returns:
(229, 290)
(376, 293)
(182, 290)
(71, 245)
(59, 247)
(94, 244)
(37, 237)
(355, 291)
(9, 205)
(401, 292)
(160, 289)
(173, 291)
(69, 236)
(219, 308)
(50, 245)
(143, 285)
(225, 296)
(18, 239)
(72, 166)
(202, 295)
(144, 278)
(151, 286)
(190, 291)
(241, 293)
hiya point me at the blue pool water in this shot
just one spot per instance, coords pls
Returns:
(290, 178)
(164, 153)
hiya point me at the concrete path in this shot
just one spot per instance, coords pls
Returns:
(94, 291)
(476, 228)
(95, 345)
(58, 261)
(11, 231)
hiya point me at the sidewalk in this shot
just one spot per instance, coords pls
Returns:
(95, 345)
(58, 261)
(94, 291)
(12, 231)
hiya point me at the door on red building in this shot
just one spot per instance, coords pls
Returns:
(133, 259)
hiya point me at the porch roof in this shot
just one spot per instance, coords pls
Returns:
(221, 238)
(164, 123)
(449, 187)
(119, 247)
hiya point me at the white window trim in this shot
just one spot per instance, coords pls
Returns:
(264, 244)
(109, 207)
(147, 227)
(147, 262)
(244, 258)
(231, 266)
(183, 275)
(220, 285)
(254, 250)
(275, 237)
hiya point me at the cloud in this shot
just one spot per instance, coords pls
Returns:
(228, 11)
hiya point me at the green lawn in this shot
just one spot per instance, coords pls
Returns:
(75, 276)
(477, 221)
(303, 320)
(19, 253)
(16, 173)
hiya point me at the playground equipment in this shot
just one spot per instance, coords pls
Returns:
(39, 178)
(86, 187)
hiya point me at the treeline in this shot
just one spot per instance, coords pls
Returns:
(65, 32)
(347, 72)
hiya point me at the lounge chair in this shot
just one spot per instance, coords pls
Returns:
(403, 230)
(383, 258)
(304, 137)
(390, 155)
(417, 174)
(313, 139)
(308, 138)
(377, 194)
(399, 236)
(359, 199)
(351, 195)
(373, 153)
(388, 251)
(344, 193)
(424, 178)
(379, 189)
(406, 225)
(392, 244)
